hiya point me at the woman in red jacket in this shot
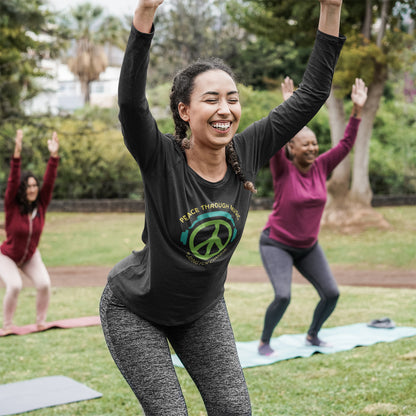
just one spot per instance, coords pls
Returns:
(25, 208)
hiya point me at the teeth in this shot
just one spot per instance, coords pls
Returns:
(221, 126)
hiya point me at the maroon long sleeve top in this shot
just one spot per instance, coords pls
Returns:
(23, 231)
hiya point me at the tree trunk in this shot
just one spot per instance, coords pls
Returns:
(85, 90)
(367, 20)
(383, 22)
(349, 210)
(361, 193)
(339, 183)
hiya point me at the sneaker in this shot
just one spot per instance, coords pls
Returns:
(316, 342)
(386, 323)
(265, 349)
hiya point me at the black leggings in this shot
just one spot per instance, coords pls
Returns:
(206, 348)
(278, 260)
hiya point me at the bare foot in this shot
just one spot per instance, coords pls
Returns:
(41, 327)
(7, 331)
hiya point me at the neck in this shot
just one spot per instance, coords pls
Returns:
(211, 165)
(302, 168)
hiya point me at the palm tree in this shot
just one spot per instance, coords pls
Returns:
(92, 30)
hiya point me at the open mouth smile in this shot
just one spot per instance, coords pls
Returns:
(221, 125)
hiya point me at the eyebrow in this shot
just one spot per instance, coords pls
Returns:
(217, 93)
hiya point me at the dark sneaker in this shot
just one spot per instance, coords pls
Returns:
(386, 323)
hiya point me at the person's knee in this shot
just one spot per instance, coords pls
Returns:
(44, 287)
(330, 294)
(240, 407)
(282, 299)
(14, 288)
(333, 296)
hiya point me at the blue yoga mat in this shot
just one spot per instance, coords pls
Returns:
(341, 338)
(28, 395)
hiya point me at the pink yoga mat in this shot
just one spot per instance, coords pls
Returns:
(63, 323)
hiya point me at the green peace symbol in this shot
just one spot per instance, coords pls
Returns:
(212, 245)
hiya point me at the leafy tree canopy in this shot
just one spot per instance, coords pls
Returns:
(27, 35)
(364, 53)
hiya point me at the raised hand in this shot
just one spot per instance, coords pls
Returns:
(53, 145)
(359, 93)
(18, 144)
(330, 17)
(149, 3)
(287, 88)
(144, 14)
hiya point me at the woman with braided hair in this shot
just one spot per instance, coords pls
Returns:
(198, 185)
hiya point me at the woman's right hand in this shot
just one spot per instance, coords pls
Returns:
(144, 14)
(18, 144)
(337, 3)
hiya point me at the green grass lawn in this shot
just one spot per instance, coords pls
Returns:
(105, 238)
(378, 380)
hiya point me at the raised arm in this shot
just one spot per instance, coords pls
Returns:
(330, 17)
(137, 123)
(144, 15)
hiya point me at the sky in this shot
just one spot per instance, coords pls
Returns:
(113, 7)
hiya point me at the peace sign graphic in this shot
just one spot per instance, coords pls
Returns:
(210, 234)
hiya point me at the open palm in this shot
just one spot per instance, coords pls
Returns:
(359, 92)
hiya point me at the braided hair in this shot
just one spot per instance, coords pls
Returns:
(26, 207)
(182, 87)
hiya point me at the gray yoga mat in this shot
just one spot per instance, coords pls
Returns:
(37, 393)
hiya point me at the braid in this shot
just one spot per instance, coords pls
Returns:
(232, 159)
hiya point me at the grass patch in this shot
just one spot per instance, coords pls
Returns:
(105, 238)
(376, 380)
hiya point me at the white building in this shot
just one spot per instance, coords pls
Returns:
(64, 90)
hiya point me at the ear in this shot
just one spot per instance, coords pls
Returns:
(183, 111)
(288, 153)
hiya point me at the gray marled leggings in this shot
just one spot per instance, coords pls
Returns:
(206, 348)
(278, 260)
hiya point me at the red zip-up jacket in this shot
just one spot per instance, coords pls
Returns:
(22, 231)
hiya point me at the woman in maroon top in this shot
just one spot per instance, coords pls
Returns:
(25, 206)
(290, 237)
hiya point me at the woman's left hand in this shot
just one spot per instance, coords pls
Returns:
(53, 145)
(287, 88)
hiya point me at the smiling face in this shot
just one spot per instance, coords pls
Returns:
(32, 189)
(214, 110)
(304, 149)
